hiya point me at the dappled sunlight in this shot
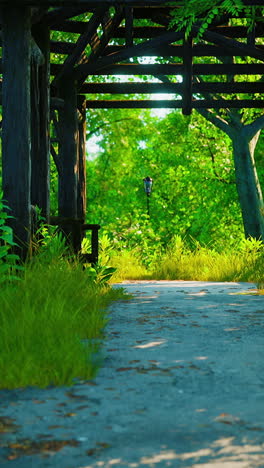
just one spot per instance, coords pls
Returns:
(222, 453)
(200, 293)
(151, 344)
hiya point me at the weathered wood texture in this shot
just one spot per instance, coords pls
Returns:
(16, 121)
(40, 121)
(68, 150)
(81, 187)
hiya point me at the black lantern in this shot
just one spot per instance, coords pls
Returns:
(148, 185)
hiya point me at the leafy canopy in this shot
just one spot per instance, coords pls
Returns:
(204, 12)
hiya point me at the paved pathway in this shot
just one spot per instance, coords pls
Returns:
(182, 385)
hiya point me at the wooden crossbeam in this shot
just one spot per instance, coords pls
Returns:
(228, 31)
(130, 88)
(177, 88)
(142, 32)
(175, 69)
(231, 44)
(111, 25)
(176, 104)
(81, 43)
(135, 51)
(199, 50)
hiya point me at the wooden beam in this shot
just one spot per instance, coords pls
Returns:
(153, 31)
(187, 76)
(175, 69)
(204, 50)
(81, 183)
(130, 88)
(229, 88)
(68, 150)
(144, 32)
(200, 50)
(247, 50)
(129, 17)
(135, 51)
(176, 88)
(80, 45)
(176, 104)
(16, 121)
(40, 124)
(111, 25)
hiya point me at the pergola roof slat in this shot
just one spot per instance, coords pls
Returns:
(175, 104)
(177, 88)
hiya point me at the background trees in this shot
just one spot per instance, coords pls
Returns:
(190, 161)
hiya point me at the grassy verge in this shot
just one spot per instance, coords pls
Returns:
(51, 325)
(179, 262)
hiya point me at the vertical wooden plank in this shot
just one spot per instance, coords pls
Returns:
(16, 121)
(68, 150)
(187, 76)
(129, 26)
(81, 188)
(40, 122)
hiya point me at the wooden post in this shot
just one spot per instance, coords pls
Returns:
(40, 121)
(187, 76)
(81, 189)
(68, 150)
(68, 155)
(16, 38)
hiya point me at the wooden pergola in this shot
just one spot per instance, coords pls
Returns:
(49, 81)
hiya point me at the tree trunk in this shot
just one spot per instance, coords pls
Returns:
(248, 187)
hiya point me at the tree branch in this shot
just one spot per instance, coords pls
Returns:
(216, 120)
(252, 128)
(92, 132)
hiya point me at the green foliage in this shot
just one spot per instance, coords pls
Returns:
(181, 261)
(52, 325)
(8, 261)
(202, 13)
(49, 244)
(194, 192)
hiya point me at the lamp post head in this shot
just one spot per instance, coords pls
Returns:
(148, 185)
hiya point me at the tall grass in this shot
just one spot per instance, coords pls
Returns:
(52, 321)
(179, 261)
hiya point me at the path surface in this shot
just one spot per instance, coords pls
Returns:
(182, 386)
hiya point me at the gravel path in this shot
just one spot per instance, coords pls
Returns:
(182, 385)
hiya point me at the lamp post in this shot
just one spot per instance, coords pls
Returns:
(148, 187)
